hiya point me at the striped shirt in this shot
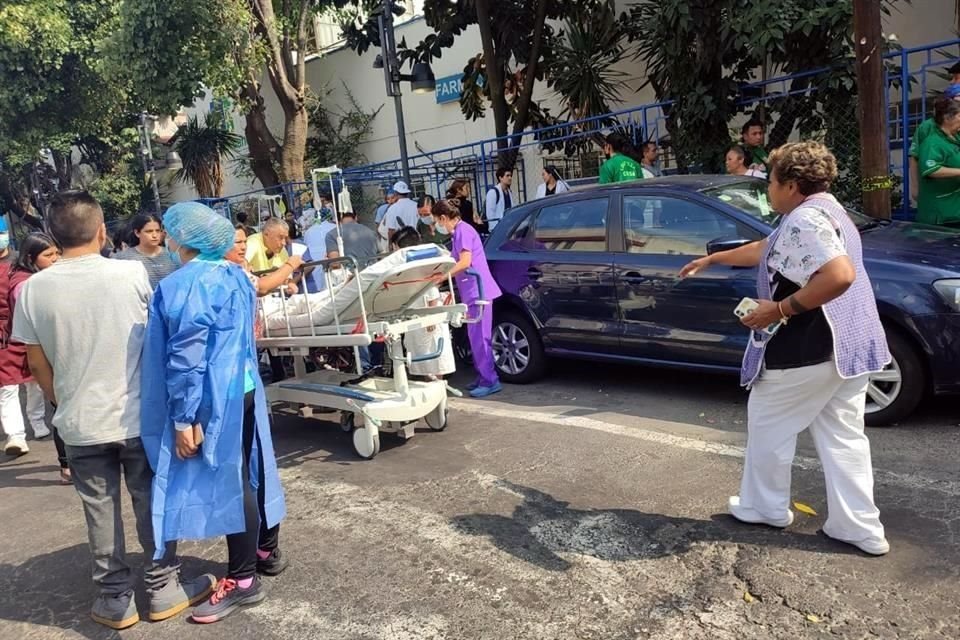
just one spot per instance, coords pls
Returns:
(158, 267)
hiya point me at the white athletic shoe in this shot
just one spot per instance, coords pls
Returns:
(751, 516)
(871, 546)
(16, 446)
(41, 432)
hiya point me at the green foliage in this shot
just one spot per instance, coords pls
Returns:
(202, 145)
(171, 50)
(698, 53)
(337, 135)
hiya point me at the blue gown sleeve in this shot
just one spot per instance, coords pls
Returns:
(187, 355)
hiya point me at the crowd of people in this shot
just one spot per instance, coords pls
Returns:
(165, 390)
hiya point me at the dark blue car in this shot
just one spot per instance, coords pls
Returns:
(593, 274)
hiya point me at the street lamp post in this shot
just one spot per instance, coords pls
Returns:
(421, 78)
(146, 155)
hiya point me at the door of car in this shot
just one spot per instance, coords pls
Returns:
(665, 318)
(559, 264)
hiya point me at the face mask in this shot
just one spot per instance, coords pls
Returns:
(4, 241)
(428, 220)
(175, 256)
(442, 230)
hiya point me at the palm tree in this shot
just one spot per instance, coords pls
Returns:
(202, 145)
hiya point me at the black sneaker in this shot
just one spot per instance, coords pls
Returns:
(228, 598)
(272, 565)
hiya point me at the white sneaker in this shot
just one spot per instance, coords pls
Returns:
(871, 546)
(752, 516)
(41, 432)
(16, 446)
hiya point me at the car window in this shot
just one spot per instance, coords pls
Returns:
(750, 197)
(580, 225)
(663, 225)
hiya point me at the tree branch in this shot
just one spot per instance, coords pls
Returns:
(494, 70)
(530, 77)
(277, 68)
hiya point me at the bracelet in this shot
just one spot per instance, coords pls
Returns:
(784, 318)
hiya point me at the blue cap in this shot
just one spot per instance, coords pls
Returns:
(952, 91)
(3, 225)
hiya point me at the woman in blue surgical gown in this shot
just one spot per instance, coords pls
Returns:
(204, 413)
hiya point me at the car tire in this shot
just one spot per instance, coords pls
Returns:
(517, 348)
(894, 393)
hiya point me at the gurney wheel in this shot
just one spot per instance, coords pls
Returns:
(362, 443)
(347, 421)
(437, 419)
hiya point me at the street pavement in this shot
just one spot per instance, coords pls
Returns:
(588, 506)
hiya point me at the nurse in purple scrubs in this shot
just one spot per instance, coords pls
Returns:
(467, 249)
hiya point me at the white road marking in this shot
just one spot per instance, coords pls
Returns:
(905, 480)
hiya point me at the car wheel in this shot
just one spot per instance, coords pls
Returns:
(894, 393)
(517, 350)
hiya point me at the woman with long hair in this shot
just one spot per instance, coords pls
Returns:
(37, 251)
(459, 192)
(146, 239)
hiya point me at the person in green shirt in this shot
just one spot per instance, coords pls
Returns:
(928, 126)
(619, 167)
(939, 162)
(752, 136)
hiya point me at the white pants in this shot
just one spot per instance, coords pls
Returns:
(11, 415)
(782, 404)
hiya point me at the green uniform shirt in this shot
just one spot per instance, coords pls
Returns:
(926, 127)
(432, 237)
(939, 201)
(756, 155)
(620, 168)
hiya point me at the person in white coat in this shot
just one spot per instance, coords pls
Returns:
(552, 183)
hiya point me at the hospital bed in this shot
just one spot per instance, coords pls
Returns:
(358, 307)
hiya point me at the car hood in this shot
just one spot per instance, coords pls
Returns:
(917, 243)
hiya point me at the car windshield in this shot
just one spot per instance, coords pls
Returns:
(750, 196)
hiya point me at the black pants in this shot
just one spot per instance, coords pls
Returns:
(242, 547)
(277, 371)
(61, 449)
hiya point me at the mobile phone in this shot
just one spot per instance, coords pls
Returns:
(747, 306)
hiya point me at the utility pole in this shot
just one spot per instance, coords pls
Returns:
(391, 72)
(871, 110)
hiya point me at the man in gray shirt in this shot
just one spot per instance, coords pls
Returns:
(359, 241)
(88, 365)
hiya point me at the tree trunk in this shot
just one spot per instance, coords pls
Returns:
(875, 152)
(262, 145)
(294, 143)
(509, 158)
(495, 74)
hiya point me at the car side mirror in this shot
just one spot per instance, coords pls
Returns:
(725, 244)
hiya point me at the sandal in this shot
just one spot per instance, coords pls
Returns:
(66, 478)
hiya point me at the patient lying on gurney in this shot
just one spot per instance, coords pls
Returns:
(302, 310)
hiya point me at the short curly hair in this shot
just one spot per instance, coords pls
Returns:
(809, 164)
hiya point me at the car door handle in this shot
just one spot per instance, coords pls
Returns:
(634, 276)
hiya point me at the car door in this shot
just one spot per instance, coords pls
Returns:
(562, 269)
(665, 318)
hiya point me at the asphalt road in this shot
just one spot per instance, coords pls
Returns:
(589, 506)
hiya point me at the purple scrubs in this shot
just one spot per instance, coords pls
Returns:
(466, 238)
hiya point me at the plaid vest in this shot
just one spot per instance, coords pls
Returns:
(859, 342)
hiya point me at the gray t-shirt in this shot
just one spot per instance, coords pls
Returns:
(359, 241)
(158, 267)
(89, 314)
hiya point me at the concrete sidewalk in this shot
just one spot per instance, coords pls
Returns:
(509, 527)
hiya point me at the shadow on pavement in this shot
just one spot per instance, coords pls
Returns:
(17, 472)
(55, 590)
(542, 527)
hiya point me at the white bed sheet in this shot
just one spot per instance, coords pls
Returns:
(388, 285)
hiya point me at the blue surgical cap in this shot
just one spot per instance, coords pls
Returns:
(199, 227)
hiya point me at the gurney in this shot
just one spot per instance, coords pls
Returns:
(377, 303)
